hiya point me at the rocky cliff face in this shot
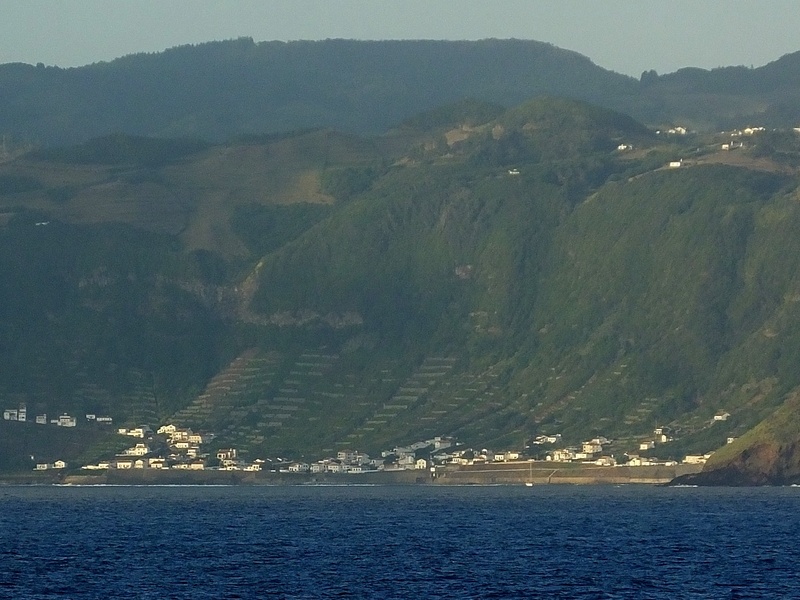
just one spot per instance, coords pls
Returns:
(763, 464)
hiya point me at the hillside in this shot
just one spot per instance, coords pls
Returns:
(480, 272)
(219, 90)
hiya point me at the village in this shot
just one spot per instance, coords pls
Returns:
(171, 447)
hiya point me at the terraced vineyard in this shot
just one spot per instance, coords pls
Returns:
(231, 394)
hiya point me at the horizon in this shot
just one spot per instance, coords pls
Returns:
(625, 36)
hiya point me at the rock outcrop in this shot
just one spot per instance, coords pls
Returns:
(762, 464)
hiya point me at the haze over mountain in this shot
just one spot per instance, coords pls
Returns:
(222, 89)
(493, 268)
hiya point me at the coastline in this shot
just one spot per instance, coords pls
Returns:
(492, 474)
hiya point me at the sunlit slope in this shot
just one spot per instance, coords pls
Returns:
(644, 306)
(483, 273)
(649, 292)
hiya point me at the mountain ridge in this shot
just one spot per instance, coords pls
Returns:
(219, 90)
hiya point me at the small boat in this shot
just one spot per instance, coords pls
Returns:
(529, 483)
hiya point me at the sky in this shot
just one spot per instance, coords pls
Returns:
(627, 36)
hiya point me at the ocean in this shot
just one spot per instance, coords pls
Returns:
(421, 541)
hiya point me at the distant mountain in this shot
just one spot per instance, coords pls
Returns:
(488, 273)
(219, 90)
(222, 89)
(723, 98)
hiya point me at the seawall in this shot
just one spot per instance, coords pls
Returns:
(491, 474)
(570, 473)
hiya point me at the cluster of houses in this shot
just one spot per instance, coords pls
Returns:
(443, 451)
(173, 447)
(43, 466)
(588, 451)
(20, 414)
(591, 451)
(416, 456)
(734, 143)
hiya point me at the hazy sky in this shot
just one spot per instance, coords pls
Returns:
(628, 36)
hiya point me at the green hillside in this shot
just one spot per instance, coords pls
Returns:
(485, 273)
(220, 90)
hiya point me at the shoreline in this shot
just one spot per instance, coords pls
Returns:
(494, 474)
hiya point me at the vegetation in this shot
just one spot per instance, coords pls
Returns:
(315, 291)
(121, 149)
(221, 90)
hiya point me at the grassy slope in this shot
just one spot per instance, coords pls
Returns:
(642, 296)
(568, 298)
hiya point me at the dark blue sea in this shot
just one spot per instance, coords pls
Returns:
(399, 542)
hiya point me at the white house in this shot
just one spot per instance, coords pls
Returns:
(591, 447)
(138, 450)
(694, 459)
(441, 442)
(562, 455)
(226, 454)
(346, 456)
(407, 461)
(67, 421)
(421, 464)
